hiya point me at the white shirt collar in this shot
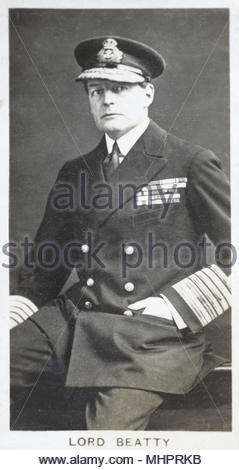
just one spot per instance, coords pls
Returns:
(127, 141)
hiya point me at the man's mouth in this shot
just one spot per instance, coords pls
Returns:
(109, 115)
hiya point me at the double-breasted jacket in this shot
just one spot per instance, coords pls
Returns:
(139, 235)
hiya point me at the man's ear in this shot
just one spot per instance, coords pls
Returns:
(86, 87)
(149, 91)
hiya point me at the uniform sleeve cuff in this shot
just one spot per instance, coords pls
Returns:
(21, 308)
(201, 297)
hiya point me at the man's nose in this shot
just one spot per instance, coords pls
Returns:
(109, 97)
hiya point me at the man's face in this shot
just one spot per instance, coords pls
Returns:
(118, 107)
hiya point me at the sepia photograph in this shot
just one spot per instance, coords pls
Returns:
(120, 251)
(119, 232)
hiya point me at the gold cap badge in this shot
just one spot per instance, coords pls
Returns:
(110, 52)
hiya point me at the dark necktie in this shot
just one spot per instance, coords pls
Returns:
(111, 162)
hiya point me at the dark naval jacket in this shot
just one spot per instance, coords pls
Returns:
(139, 235)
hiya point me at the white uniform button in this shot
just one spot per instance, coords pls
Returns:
(90, 282)
(129, 286)
(128, 313)
(85, 248)
(88, 305)
(129, 250)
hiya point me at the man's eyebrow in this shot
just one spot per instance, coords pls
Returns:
(94, 84)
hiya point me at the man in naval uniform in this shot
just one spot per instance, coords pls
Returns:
(132, 327)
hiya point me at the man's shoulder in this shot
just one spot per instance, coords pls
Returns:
(179, 149)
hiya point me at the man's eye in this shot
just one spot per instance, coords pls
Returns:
(96, 92)
(119, 88)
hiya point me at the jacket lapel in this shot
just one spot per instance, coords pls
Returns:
(144, 161)
(91, 176)
(94, 163)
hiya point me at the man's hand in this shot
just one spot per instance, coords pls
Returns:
(153, 306)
